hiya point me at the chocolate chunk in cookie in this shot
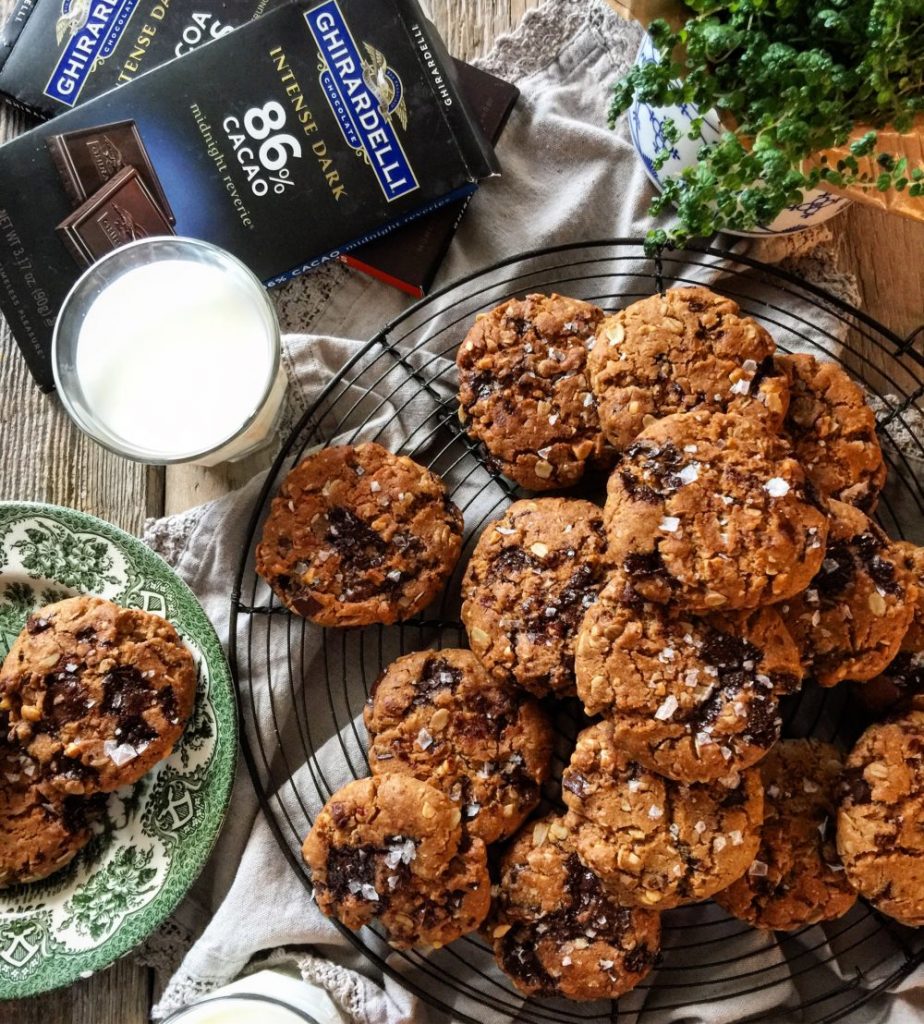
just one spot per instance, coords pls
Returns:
(657, 843)
(797, 878)
(358, 535)
(438, 716)
(532, 576)
(833, 431)
(713, 510)
(685, 349)
(95, 693)
(392, 849)
(879, 835)
(555, 929)
(850, 621)
(690, 697)
(523, 391)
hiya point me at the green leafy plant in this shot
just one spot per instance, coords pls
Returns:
(794, 77)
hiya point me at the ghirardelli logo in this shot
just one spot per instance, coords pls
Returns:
(106, 156)
(384, 82)
(119, 226)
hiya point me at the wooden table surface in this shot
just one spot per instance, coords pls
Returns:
(47, 459)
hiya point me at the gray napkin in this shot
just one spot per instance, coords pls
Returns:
(566, 177)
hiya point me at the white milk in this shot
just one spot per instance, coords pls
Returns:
(174, 357)
(230, 1012)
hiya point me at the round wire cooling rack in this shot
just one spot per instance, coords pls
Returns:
(302, 688)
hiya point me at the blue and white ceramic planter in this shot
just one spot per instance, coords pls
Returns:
(646, 123)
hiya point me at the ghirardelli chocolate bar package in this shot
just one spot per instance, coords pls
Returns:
(294, 139)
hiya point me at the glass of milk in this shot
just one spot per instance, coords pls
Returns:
(167, 350)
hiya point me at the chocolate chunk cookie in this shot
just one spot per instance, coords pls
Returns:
(903, 677)
(850, 621)
(438, 716)
(531, 578)
(95, 693)
(657, 843)
(524, 393)
(713, 510)
(833, 431)
(685, 349)
(797, 878)
(557, 932)
(879, 835)
(358, 535)
(392, 849)
(690, 697)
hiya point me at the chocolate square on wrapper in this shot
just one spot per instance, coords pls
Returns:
(88, 158)
(123, 210)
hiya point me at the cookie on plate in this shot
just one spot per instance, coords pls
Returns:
(95, 693)
(850, 621)
(523, 391)
(797, 878)
(903, 677)
(879, 835)
(438, 716)
(392, 849)
(833, 431)
(690, 697)
(654, 842)
(713, 510)
(532, 576)
(555, 929)
(358, 535)
(685, 349)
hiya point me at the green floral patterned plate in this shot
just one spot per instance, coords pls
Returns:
(157, 834)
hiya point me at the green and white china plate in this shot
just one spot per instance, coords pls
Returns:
(156, 835)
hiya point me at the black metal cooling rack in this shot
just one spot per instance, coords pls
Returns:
(302, 689)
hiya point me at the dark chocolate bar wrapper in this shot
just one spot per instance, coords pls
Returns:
(346, 124)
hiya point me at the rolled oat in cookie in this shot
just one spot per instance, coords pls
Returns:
(712, 510)
(524, 393)
(438, 716)
(692, 697)
(358, 535)
(850, 621)
(555, 929)
(688, 348)
(654, 842)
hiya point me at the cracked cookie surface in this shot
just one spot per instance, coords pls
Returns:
(392, 849)
(685, 349)
(95, 693)
(556, 931)
(438, 716)
(359, 535)
(690, 697)
(524, 392)
(654, 842)
(533, 574)
(712, 510)
(833, 431)
(797, 878)
(850, 620)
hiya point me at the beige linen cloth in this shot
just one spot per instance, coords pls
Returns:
(566, 177)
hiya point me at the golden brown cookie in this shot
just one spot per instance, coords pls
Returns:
(879, 835)
(523, 391)
(833, 431)
(657, 843)
(555, 929)
(713, 510)
(392, 849)
(685, 349)
(690, 697)
(95, 693)
(797, 878)
(533, 574)
(438, 716)
(850, 621)
(359, 535)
